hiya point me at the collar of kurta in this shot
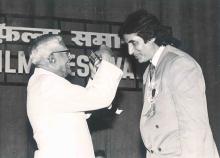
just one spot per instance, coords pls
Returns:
(39, 71)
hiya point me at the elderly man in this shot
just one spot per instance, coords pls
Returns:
(174, 121)
(56, 107)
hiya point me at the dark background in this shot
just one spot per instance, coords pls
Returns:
(195, 22)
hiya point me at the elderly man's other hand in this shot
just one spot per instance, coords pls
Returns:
(93, 70)
(106, 53)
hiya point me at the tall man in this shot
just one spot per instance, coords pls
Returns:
(56, 107)
(174, 121)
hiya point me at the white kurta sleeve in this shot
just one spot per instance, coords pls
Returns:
(99, 94)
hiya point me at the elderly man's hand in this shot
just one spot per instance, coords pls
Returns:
(93, 70)
(106, 53)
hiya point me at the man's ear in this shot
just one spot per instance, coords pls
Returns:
(51, 59)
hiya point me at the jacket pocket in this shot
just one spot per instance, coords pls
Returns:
(170, 144)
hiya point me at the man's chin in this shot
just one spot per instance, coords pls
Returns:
(140, 60)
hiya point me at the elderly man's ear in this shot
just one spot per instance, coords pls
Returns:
(51, 59)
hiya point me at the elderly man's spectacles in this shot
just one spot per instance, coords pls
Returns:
(67, 51)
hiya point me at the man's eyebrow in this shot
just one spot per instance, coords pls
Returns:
(131, 41)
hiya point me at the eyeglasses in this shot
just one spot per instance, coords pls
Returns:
(62, 51)
(67, 51)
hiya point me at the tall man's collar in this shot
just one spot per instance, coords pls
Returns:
(157, 55)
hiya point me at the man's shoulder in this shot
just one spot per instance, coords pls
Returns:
(173, 54)
(38, 80)
(176, 58)
(43, 79)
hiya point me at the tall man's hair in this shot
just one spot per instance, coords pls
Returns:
(147, 26)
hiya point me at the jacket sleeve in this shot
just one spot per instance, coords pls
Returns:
(188, 91)
(98, 94)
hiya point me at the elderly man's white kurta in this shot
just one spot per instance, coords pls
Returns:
(56, 109)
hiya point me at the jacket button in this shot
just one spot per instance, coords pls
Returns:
(152, 151)
(157, 126)
(159, 149)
